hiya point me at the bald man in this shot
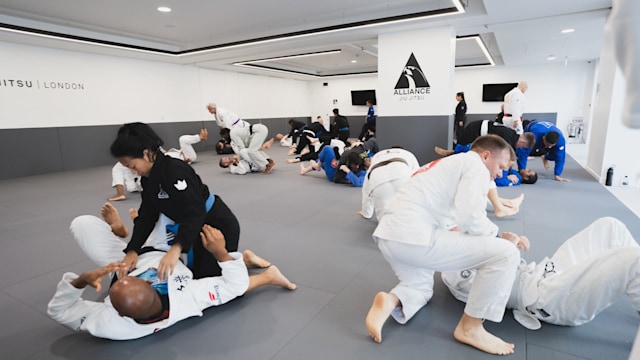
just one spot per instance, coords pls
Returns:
(140, 304)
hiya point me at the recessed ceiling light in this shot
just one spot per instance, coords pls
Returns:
(551, 57)
(165, 9)
(567, 31)
(354, 61)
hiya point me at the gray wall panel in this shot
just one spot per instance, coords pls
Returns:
(417, 134)
(48, 150)
(86, 146)
(31, 152)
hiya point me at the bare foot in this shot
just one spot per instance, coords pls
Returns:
(475, 335)
(305, 169)
(314, 165)
(292, 150)
(443, 152)
(267, 144)
(133, 213)
(270, 166)
(204, 134)
(275, 277)
(383, 305)
(304, 151)
(513, 203)
(313, 140)
(503, 211)
(112, 217)
(117, 198)
(293, 161)
(251, 259)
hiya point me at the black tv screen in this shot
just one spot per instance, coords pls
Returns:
(360, 97)
(496, 92)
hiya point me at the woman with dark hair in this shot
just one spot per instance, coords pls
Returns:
(171, 187)
(461, 115)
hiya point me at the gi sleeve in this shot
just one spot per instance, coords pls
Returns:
(67, 306)
(143, 224)
(214, 291)
(367, 201)
(356, 179)
(504, 181)
(470, 201)
(559, 161)
(522, 155)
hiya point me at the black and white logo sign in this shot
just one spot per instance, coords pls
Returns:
(412, 83)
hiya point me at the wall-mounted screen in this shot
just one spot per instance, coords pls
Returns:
(360, 97)
(496, 92)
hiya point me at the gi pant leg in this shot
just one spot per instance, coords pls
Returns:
(102, 246)
(186, 146)
(495, 259)
(253, 152)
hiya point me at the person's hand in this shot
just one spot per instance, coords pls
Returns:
(213, 240)
(94, 277)
(561, 179)
(455, 228)
(460, 124)
(521, 242)
(545, 162)
(360, 213)
(345, 168)
(512, 178)
(168, 261)
(130, 260)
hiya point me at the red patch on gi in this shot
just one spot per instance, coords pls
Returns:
(426, 167)
(211, 296)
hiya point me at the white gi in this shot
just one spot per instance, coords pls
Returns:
(243, 167)
(514, 102)
(389, 170)
(186, 148)
(226, 119)
(414, 237)
(121, 175)
(588, 273)
(246, 142)
(623, 29)
(187, 297)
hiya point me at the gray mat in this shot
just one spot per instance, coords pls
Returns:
(309, 228)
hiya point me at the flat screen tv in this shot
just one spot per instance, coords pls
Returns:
(496, 92)
(360, 97)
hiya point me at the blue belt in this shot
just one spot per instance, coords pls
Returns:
(174, 228)
(235, 122)
(344, 129)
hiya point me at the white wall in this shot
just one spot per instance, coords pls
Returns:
(339, 89)
(618, 148)
(112, 90)
(553, 87)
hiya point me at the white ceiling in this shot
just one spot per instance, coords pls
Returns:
(217, 34)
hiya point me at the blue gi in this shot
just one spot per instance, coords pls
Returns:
(555, 153)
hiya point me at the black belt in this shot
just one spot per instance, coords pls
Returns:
(386, 162)
(250, 129)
